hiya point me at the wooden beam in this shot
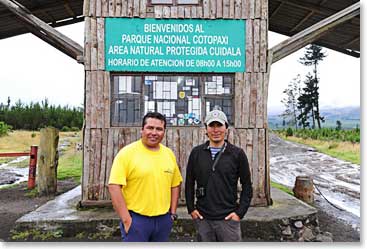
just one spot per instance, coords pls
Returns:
(49, 16)
(302, 21)
(68, 8)
(339, 49)
(307, 6)
(37, 8)
(314, 32)
(44, 31)
(276, 10)
(322, 2)
(355, 39)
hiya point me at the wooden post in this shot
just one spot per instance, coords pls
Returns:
(48, 161)
(303, 189)
(32, 167)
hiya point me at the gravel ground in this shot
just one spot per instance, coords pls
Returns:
(16, 201)
(287, 160)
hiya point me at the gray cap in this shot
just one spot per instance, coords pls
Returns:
(216, 115)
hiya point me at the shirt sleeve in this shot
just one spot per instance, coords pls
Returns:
(245, 179)
(119, 169)
(190, 184)
(177, 178)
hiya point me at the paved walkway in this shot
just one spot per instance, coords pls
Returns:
(61, 213)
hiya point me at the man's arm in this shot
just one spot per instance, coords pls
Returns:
(190, 189)
(175, 193)
(190, 185)
(119, 205)
(245, 179)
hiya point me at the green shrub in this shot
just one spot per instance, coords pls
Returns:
(4, 128)
(65, 128)
(333, 145)
(74, 128)
(324, 134)
(289, 132)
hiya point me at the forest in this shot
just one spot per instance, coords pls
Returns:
(34, 116)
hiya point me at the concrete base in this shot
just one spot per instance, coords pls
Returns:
(288, 219)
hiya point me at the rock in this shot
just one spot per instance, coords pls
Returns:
(287, 231)
(285, 222)
(301, 239)
(308, 234)
(298, 224)
(317, 223)
(311, 150)
(7, 177)
(324, 237)
(104, 228)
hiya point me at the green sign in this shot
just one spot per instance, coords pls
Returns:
(174, 45)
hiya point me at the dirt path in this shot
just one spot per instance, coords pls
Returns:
(17, 201)
(338, 181)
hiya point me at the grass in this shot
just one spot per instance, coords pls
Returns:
(70, 166)
(342, 150)
(281, 187)
(70, 161)
(21, 141)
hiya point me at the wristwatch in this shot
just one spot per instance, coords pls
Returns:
(174, 216)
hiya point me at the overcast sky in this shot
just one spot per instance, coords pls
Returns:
(32, 70)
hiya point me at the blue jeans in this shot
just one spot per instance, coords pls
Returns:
(147, 228)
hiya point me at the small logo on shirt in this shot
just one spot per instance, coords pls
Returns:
(169, 171)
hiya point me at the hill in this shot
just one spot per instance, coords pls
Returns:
(348, 116)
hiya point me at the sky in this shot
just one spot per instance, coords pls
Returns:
(32, 70)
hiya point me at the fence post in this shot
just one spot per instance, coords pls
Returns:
(48, 160)
(32, 167)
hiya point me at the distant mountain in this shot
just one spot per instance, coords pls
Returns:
(348, 116)
(348, 113)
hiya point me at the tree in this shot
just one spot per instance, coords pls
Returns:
(306, 103)
(8, 105)
(312, 57)
(291, 101)
(35, 115)
(338, 125)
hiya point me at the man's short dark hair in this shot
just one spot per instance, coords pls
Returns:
(155, 115)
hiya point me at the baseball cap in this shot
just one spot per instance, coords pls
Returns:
(216, 115)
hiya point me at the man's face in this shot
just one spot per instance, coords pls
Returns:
(152, 132)
(216, 132)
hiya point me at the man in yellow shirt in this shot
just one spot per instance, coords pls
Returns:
(145, 184)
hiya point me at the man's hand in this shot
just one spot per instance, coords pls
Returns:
(119, 205)
(196, 215)
(127, 223)
(232, 216)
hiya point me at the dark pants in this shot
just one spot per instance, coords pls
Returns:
(218, 230)
(145, 228)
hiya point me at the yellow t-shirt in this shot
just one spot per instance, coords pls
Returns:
(147, 177)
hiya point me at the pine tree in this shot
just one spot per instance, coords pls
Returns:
(291, 101)
(8, 105)
(312, 57)
(306, 103)
(338, 125)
